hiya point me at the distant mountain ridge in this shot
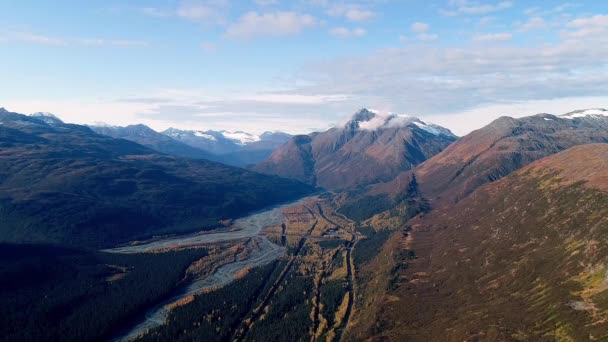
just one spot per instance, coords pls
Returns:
(496, 150)
(64, 183)
(232, 147)
(236, 148)
(369, 148)
(146, 136)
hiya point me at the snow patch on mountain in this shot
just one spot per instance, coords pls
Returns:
(593, 112)
(46, 117)
(383, 120)
(205, 135)
(241, 138)
(429, 128)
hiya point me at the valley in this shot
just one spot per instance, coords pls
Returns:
(453, 240)
(304, 171)
(317, 246)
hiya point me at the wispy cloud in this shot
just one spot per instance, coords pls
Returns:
(352, 12)
(204, 11)
(344, 32)
(470, 7)
(34, 38)
(111, 42)
(421, 30)
(42, 39)
(254, 24)
(533, 23)
(492, 37)
(439, 79)
(420, 27)
(593, 27)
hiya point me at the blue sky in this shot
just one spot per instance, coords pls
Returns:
(300, 65)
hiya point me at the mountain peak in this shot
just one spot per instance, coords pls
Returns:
(46, 117)
(3, 110)
(364, 115)
(371, 120)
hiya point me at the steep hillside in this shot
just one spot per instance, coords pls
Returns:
(500, 148)
(521, 259)
(146, 136)
(370, 148)
(64, 183)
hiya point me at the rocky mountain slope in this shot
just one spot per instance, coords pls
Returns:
(522, 258)
(64, 183)
(498, 149)
(369, 148)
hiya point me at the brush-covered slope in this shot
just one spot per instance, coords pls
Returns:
(370, 148)
(521, 259)
(146, 136)
(500, 148)
(66, 184)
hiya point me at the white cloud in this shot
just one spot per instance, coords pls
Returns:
(204, 11)
(420, 27)
(344, 32)
(357, 14)
(594, 27)
(254, 24)
(492, 37)
(422, 32)
(485, 21)
(427, 37)
(534, 23)
(437, 79)
(469, 7)
(111, 42)
(278, 98)
(373, 124)
(35, 38)
(352, 12)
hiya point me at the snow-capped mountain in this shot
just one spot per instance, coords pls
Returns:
(148, 137)
(48, 118)
(228, 142)
(374, 120)
(371, 147)
(593, 113)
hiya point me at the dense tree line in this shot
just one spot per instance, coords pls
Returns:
(215, 316)
(368, 248)
(362, 207)
(289, 316)
(332, 295)
(50, 293)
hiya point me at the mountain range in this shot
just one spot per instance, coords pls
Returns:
(234, 148)
(496, 150)
(508, 245)
(64, 183)
(498, 235)
(369, 148)
(231, 148)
